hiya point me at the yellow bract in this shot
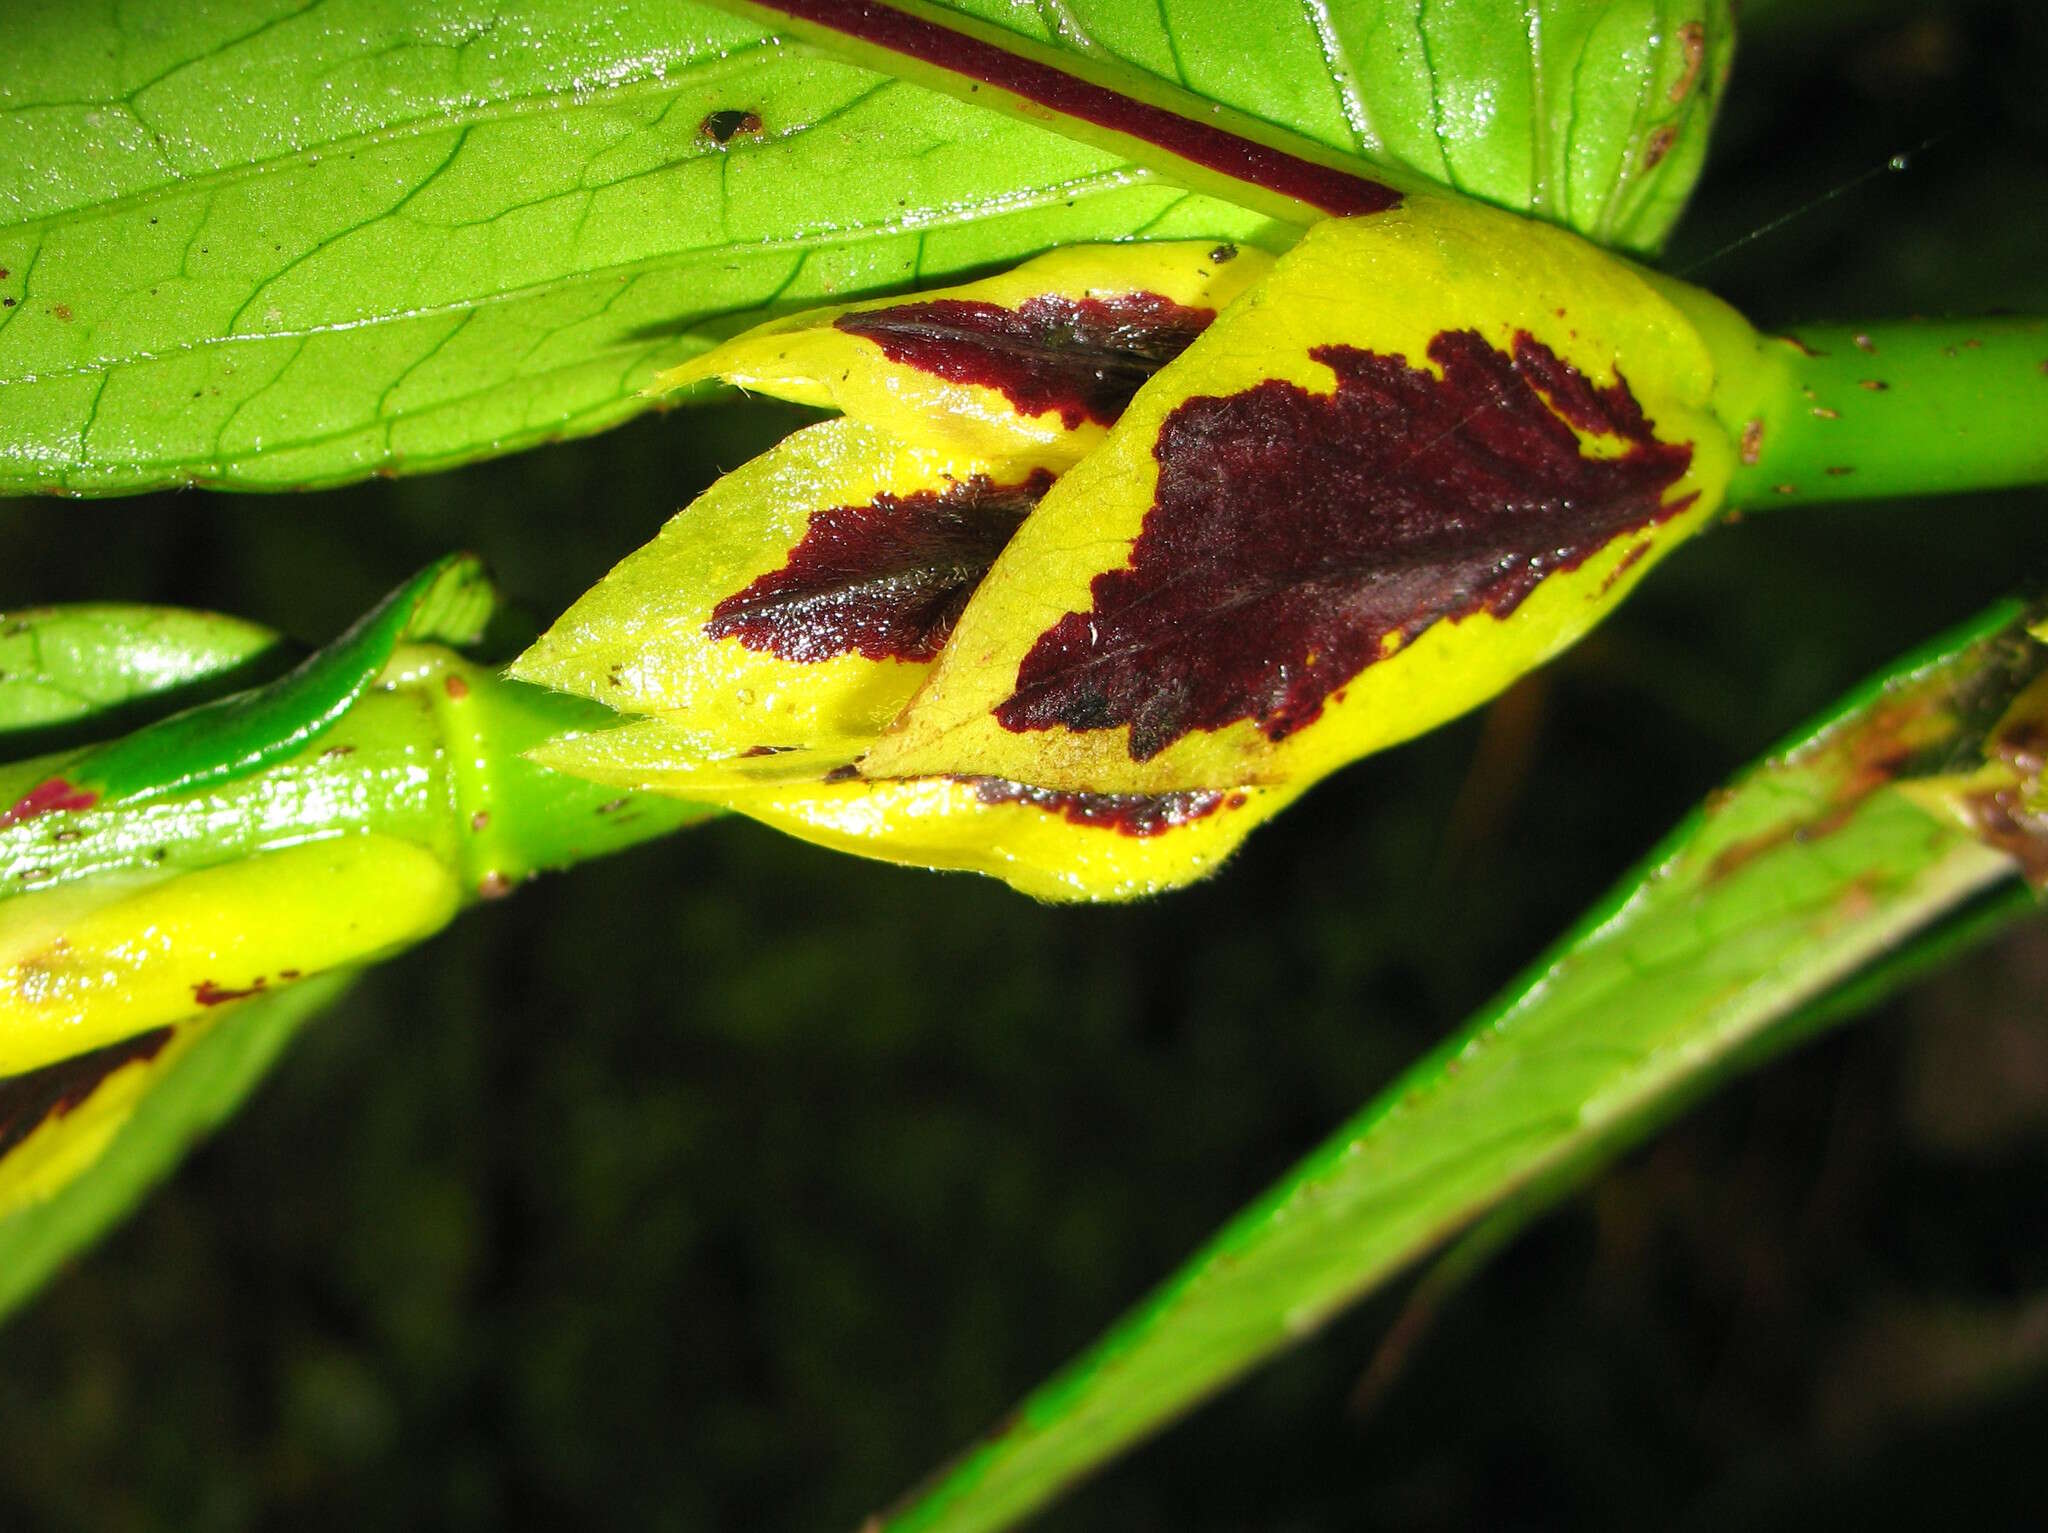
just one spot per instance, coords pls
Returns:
(642, 640)
(1523, 426)
(1390, 285)
(95, 962)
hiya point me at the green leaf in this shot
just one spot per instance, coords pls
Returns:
(266, 244)
(1812, 866)
(1591, 113)
(257, 246)
(198, 1090)
(76, 666)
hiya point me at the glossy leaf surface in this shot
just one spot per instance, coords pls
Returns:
(259, 244)
(1814, 863)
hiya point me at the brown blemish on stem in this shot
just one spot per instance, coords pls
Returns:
(207, 993)
(1822, 412)
(480, 821)
(61, 311)
(455, 687)
(1658, 145)
(1752, 443)
(494, 885)
(1875, 385)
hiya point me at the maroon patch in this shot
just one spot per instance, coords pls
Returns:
(207, 993)
(1207, 144)
(1128, 814)
(29, 1100)
(886, 580)
(1084, 357)
(1293, 532)
(52, 797)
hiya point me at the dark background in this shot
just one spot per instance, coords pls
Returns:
(734, 1184)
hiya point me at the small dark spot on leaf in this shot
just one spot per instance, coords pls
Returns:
(1822, 412)
(1658, 145)
(336, 752)
(481, 820)
(1875, 385)
(721, 128)
(494, 886)
(288, 973)
(207, 993)
(1839, 469)
(61, 311)
(613, 806)
(1221, 255)
(455, 687)
(1752, 442)
(765, 750)
(845, 773)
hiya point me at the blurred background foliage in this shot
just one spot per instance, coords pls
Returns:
(733, 1184)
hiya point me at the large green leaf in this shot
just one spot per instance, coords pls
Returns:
(278, 243)
(1813, 866)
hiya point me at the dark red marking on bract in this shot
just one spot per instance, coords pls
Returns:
(1201, 143)
(29, 1100)
(1084, 357)
(55, 796)
(207, 993)
(886, 580)
(1128, 814)
(1293, 532)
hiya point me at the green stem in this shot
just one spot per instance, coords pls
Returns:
(1864, 412)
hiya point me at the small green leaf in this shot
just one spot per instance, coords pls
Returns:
(1812, 866)
(75, 665)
